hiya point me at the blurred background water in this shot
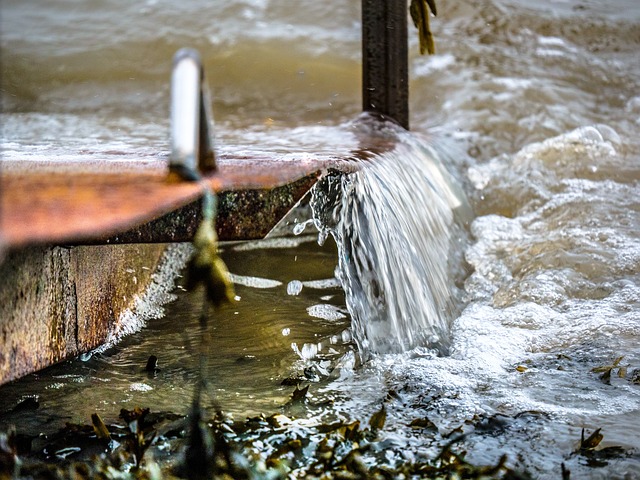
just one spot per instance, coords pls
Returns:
(537, 107)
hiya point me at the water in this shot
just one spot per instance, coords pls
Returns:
(535, 109)
(398, 223)
(251, 344)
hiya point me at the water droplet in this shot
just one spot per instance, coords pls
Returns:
(300, 227)
(294, 287)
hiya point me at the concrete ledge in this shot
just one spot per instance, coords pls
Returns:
(57, 302)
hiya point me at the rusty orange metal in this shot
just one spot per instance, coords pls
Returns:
(69, 203)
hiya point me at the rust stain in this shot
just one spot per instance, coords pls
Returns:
(56, 203)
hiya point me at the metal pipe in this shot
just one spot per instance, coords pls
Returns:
(385, 65)
(191, 143)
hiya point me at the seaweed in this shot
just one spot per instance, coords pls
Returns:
(260, 447)
(621, 371)
(419, 10)
(596, 456)
(606, 370)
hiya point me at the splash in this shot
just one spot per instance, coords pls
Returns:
(396, 221)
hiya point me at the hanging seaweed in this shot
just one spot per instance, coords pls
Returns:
(206, 267)
(205, 453)
(420, 11)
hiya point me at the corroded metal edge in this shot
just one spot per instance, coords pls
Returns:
(58, 302)
(245, 214)
(60, 207)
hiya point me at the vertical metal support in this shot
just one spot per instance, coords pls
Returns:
(191, 143)
(385, 65)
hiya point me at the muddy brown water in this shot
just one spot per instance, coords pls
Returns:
(538, 110)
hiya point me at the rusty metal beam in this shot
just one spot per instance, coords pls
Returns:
(58, 203)
(385, 68)
(244, 214)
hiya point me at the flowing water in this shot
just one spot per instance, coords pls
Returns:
(398, 223)
(534, 109)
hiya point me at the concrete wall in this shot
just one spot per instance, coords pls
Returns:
(58, 302)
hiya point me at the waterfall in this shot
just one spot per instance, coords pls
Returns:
(398, 221)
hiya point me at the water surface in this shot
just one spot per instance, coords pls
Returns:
(537, 108)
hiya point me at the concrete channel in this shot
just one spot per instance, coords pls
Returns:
(77, 252)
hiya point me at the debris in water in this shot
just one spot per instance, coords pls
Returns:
(293, 381)
(152, 365)
(597, 457)
(423, 423)
(102, 432)
(141, 433)
(607, 369)
(299, 395)
(591, 442)
(378, 419)
(274, 447)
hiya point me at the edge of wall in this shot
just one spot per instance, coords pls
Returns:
(59, 302)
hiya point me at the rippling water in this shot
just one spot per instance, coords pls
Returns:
(399, 226)
(537, 106)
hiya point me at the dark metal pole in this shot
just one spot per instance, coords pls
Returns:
(385, 69)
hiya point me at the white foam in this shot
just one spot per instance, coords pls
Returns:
(149, 305)
(326, 311)
(322, 284)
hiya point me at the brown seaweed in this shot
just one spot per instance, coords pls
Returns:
(419, 10)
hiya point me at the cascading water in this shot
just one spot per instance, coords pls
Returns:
(396, 221)
(543, 98)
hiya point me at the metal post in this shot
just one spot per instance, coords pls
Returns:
(385, 65)
(191, 142)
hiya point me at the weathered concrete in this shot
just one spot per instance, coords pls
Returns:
(58, 302)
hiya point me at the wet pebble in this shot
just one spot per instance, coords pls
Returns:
(152, 364)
